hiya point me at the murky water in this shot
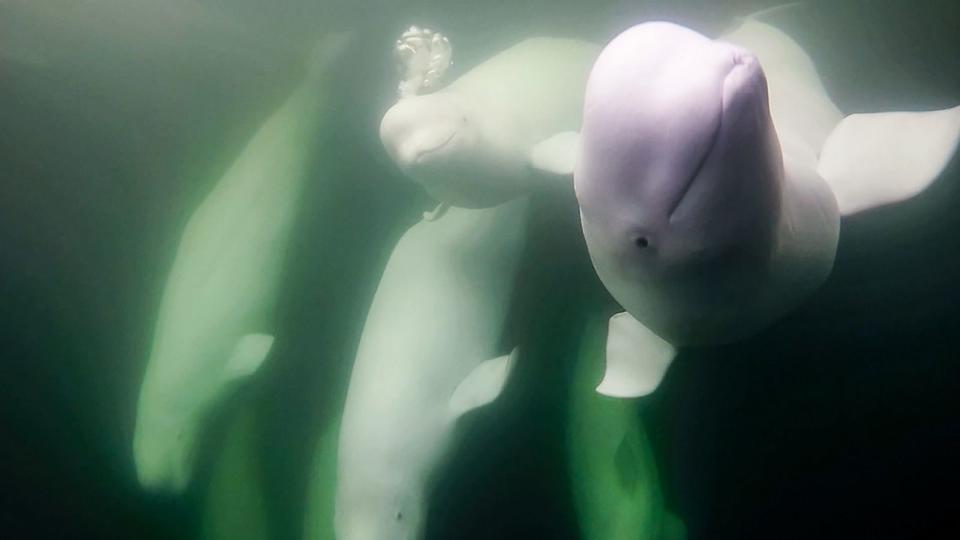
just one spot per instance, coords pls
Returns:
(118, 118)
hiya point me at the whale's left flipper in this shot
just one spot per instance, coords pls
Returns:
(875, 159)
(556, 155)
(248, 355)
(482, 385)
(637, 359)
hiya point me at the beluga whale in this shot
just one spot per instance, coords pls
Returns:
(469, 143)
(429, 353)
(214, 328)
(712, 176)
(432, 347)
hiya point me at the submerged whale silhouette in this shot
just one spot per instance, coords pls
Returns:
(212, 332)
(711, 177)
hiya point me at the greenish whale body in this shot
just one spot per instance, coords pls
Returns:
(615, 483)
(214, 325)
(234, 507)
(318, 521)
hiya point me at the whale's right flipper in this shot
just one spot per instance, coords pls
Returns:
(875, 159)
(248, 355)
(556, 155)
(637, 359)
(482, 385)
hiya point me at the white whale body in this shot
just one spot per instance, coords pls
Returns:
(428, 354)
(469, 143)
(711, 177)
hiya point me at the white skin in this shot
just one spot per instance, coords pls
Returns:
(441, 304)
(684, 218)
(459, 156)
(705, 209)
(468, 144)
(438, 313)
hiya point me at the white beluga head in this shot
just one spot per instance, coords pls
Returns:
(441, 141)
(711, 188)
(679, 176)
(469, 143)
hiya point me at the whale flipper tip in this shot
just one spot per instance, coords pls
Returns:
(483, 385)
(637, 359)
(875, 159)
(556, 155)
(248, 355)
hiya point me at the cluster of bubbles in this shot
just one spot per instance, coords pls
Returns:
(423, 57)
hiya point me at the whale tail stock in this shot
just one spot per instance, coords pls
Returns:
(875, 159)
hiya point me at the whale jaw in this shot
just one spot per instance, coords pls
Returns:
(439, 142)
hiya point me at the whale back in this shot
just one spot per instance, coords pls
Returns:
(538, 84)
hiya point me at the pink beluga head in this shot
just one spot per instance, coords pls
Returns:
(698, 222)
(678, 178)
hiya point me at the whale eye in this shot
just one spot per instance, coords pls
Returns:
(398, 516)
(642, 242)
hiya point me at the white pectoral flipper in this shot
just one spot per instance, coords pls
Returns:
(875, 159)
(483, 385)
(556, 155)
(637, 359)
(248, 355)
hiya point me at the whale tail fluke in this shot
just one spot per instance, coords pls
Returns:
(876, 159)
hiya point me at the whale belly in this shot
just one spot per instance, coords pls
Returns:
(438, 313)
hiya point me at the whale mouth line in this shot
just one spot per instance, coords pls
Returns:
(432, 150)
(696, 171)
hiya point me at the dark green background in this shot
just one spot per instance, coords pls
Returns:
(116, 117)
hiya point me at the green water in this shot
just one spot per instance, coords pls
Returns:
(118, 117)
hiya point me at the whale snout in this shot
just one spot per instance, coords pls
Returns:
(419, 130)
(420, 147)
(443, 142)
